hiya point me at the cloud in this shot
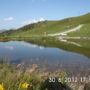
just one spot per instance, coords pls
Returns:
(33, 46)
(9, 47)
(32, 21)
(29, 22)
(8, 19)
(30, 45)
(42, 19)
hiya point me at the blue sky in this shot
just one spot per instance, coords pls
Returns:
(16, 13)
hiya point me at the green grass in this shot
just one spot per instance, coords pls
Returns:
(83, 32)
(48, 28)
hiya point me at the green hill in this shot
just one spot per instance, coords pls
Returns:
(83, 32)
(51, 27)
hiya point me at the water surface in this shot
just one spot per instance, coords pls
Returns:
(52, 57)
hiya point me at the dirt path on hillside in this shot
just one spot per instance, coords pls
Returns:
(66, 32)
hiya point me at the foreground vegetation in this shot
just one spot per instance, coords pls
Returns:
(13, 78)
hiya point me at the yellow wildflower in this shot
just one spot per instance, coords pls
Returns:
(1, 87)
(25, 85)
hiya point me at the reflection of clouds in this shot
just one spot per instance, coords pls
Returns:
(41, 48)
(9, 47)
(30, 45)
(33, 46)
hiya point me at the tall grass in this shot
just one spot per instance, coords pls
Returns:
(12, 78)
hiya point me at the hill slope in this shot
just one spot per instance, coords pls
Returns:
(52, 27)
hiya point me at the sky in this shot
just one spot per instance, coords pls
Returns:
(17, 13)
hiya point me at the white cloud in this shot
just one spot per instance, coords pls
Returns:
(8, 19)
(29, 22)
(42, 19)
(32, 21)
(30, 45)
(33, 46)
(26, 22)
(9, 47)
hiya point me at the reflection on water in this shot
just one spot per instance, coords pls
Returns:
(52, 58)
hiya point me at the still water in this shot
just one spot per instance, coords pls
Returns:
(54, 58)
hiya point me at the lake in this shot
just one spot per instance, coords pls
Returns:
(71, 56)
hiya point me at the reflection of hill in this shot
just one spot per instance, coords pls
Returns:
(84, 49)
(78, 46)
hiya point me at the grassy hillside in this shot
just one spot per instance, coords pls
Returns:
(51, 27)
(83, 32)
